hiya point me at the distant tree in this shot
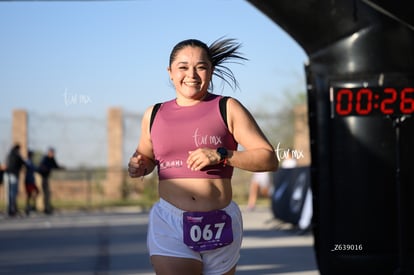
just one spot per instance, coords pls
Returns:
(275, 115)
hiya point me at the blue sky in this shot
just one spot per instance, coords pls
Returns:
(115, 53)
(79, 58)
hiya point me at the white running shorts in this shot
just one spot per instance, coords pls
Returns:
(165, 237)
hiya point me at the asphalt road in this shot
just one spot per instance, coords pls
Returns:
(114, 242)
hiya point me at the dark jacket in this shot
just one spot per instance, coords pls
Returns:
(46, 166)
(14, 162)
(30, 172)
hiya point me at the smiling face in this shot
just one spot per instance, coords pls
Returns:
(190, 72)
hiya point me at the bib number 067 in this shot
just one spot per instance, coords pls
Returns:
(207, 232)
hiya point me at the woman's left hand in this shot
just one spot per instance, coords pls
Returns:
(201, 158)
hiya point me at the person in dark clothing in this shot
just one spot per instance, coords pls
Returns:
(14, 164)
(30, 183)
(46, 166)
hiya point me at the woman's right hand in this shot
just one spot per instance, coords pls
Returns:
(137, 166)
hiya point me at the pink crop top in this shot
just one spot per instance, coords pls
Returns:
(176, 130)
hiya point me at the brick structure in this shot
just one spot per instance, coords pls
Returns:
(115, 132)
(19, 130)
(20, 136)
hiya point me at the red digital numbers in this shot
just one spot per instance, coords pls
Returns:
(344, 95)
(365, 101)
(407, 101)
(364, 95)
(388, 101)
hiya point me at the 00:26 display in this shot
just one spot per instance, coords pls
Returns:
(365, 101)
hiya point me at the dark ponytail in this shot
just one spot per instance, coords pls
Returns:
(225, 50)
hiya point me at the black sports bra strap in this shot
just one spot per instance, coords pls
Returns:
(153, 113)
(223, 108)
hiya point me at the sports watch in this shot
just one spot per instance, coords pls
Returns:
(223, 153)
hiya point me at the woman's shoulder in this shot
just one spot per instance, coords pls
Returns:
(235, 104)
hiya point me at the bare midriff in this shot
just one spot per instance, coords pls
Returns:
(196, 194)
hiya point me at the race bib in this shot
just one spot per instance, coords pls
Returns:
(207, 230)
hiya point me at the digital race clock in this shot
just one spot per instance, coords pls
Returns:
(362, 99)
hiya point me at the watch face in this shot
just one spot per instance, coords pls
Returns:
(223, 152)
